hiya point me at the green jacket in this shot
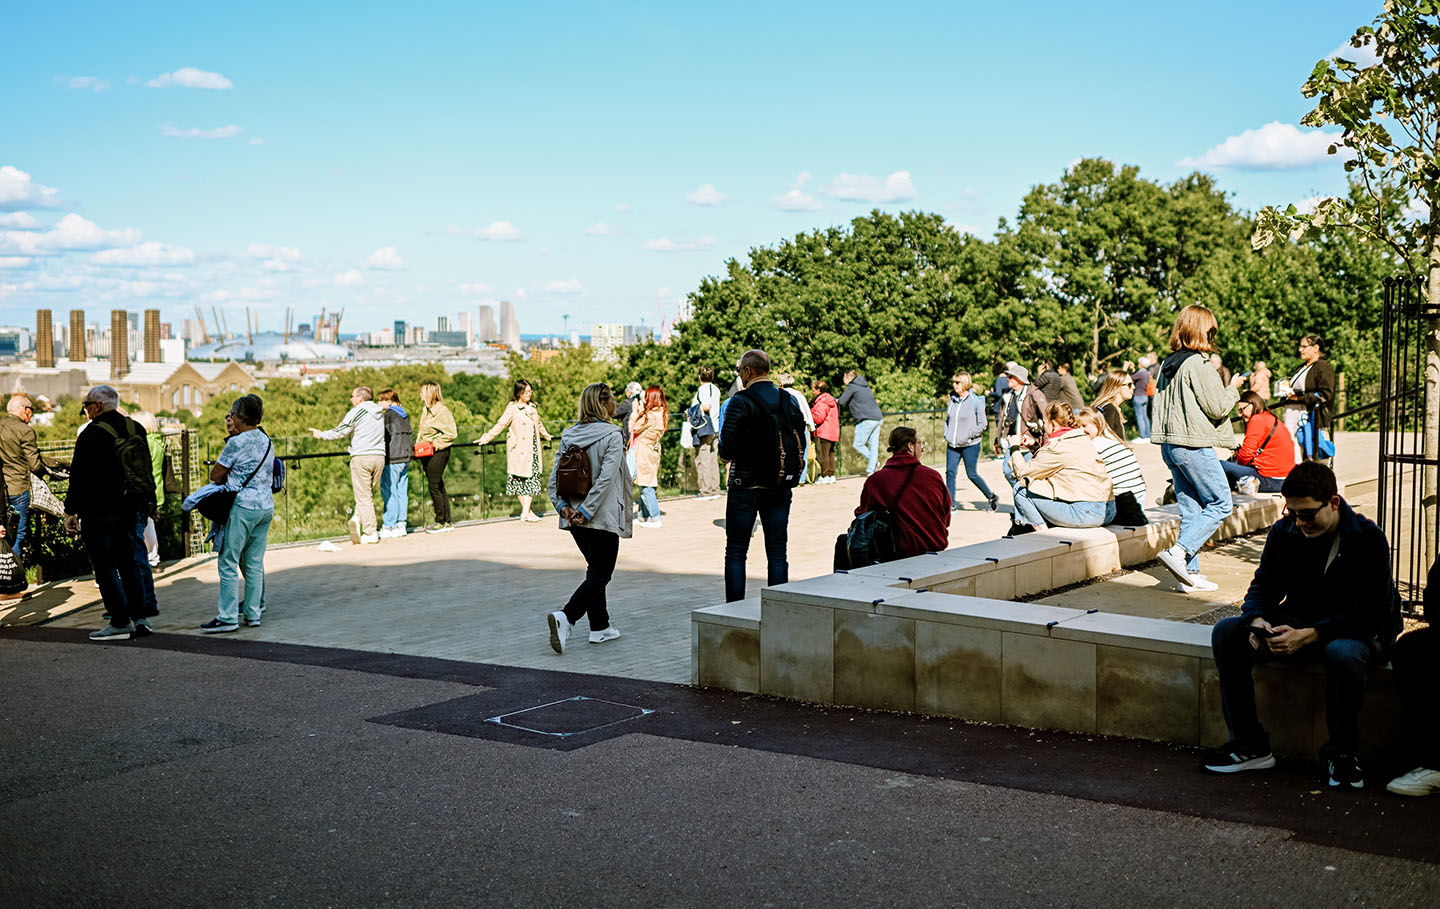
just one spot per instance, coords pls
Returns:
(20, 454)
(1191, 406)
(156, 444)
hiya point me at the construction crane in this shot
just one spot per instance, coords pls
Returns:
(218, 328)
(200, 317)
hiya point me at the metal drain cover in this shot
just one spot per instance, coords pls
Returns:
(570, 716)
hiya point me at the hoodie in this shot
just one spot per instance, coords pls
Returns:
(365, 425)
(608, 504)
(1191, 406)
(399, 439)
(964, 420)
(861, 401)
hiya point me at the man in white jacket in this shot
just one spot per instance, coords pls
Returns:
(365, 425)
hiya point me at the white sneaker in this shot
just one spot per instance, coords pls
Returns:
(604, 634)
(559, 631)
(1199, 583)
(153, 559)
(707, 498)
(370, 538)
(653, 522)
(530, 518)
(1419, 781)
(387, 532)
(354, 526)
(1174, 559)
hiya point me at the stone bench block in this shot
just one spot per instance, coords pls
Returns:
(925, 570)
(1138, 632)
(835, 591)
(874, 661)
(1147, 694)
(1048, 683)
(726, 656)
(740, 614)
(1076, 566)
(980, 612)
(797, 650)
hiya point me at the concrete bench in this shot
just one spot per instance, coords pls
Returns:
(941, 634)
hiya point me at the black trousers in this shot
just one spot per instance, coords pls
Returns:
(600, 548)
(434, 466)
(110, 540)
(1415, 658)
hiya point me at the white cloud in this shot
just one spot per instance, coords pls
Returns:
(520, 293)
(13, 261)
(1274, 146)
(564, 287)
(387, 258)
(624, 208)
(498, 230)
(219, 132)
(706, 195)
(865, 188)
(277, 258)
(20, 221)
(257, 141)
(149, 253)
(1361, 56)
(71, 232)
(18, 191)
(665, 244)
(796, 199)
(601, 229)
(476, 287)
(1416, 210)
(190, 77)
(351, 278)
(93, 83)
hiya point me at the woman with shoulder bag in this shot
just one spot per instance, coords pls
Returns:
(432, 446)
(1266, 452)
(597, 520)
(914, 495)
(245, 467)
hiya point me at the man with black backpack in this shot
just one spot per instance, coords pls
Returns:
(762, 437)
(111, 484)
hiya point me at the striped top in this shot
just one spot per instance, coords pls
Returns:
(1124, 470)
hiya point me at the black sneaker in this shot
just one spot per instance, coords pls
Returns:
(1345, 771)
(1017, 530)
(215, 626)
(993, 502)
(142, 628)
(1233, 760)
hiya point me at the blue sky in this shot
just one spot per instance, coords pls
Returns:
(586, 158)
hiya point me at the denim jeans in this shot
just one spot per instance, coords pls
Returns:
(1142, 415)
(20, 507)
(1033, 510)
(109, 541)
(395, 494)
(1202, 493)
(142, 566)
(600, 548)
(649, 503)
(1347, 664)
(867, 442)
(1235, 471)
(970, 454)
(246, 534)
(741, 507)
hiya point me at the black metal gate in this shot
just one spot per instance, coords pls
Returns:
(1409, 443)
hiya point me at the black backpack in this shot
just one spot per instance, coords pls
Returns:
(869, 541)
(136, 472)
(572, 473)
(780, 463)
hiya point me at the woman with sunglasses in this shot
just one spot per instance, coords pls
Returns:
(1119, 387)
(1266, 452)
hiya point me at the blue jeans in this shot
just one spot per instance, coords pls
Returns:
(867, 442)
(649, 503)
(1235, 471)
(1202, 493)
(741, 507)
(20, 507)
(1142, 415)
(970, 454)
(109, 542)
(395, 494)
(1038, 510)
(142, 565)
(1347, 665)
(246, 534)
(805, 459)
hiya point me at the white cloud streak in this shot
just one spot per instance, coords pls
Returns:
(706, 195)
(1274, 146)
(219, 132)
(796, 199)
(190, 77)
(72, 232)
(80, 83)
(864, 188)
(386, 258)
(665, 244)
(498, 230)
(571, 286)
(149, 253)
(18, 191)
(601, 229)
(351, 278)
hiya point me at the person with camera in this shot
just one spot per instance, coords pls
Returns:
(1322, 592)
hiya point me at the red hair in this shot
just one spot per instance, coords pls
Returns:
(655, 400)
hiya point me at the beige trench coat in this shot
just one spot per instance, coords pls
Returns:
(524, 422)
(650, 427)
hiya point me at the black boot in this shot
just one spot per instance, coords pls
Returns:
(1017, 529)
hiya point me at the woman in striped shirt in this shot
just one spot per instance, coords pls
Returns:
(1120, 463)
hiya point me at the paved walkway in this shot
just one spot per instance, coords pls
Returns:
(481, 593)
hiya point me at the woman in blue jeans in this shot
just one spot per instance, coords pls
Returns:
(964, 426)
(245, 466)
(1191, 418)
(1065, 484)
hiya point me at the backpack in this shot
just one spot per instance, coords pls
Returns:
(779, 462)
(277, 476)
(869, 541)
(572, 473)
(136, 472)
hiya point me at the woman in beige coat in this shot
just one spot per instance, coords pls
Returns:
(647, 426)
(1065, 484)
(522, 447)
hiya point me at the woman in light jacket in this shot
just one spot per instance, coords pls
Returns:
(437, 426)
(1065, 484)
(647, 426)
(522, 447)
(245, 466)
(599, 520)
(826, 414)
(1192, 416)
(964, 427)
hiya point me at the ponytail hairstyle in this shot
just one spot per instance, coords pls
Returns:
(1061, 414)
(901, 437)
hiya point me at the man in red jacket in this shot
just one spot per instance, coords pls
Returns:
(913, 493)
(1268, 451)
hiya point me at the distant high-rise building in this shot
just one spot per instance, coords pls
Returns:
(133, 318)
(167, 332)
(119, 343)
(442, 323)
(75, 347)
(466, 326)
(44, 338)
(152, 336)
(485, 327)
(414, 334)
(400, 336)
(509, 325)
(608, 337)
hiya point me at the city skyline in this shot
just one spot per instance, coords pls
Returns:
(591, 162)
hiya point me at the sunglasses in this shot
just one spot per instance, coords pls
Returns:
(1303, 515)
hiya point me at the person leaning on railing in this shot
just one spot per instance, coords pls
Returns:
(437, 432)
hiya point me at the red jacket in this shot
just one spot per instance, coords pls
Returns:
(1279, 454)
(826, 414)
(917, 497)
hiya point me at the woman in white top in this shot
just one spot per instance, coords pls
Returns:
(1120, 464)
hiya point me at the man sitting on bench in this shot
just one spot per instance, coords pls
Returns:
(1322, 591)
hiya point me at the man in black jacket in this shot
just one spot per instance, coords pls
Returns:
(867, 416)
(745, 436)
(100, 508)
(1322, 591)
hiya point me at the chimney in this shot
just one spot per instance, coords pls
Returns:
(152, 336)
(77, 334)
(44, 339)
(119, 343)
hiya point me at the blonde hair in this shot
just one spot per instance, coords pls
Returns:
(592, 407)
(1060, 414)
(1195, 329)
(1089, 416)
(1114, 387)
(964, 379)
(430, 393)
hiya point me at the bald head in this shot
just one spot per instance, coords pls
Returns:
(757, 363)
(19, 406)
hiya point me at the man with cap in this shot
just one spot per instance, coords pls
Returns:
(1022, 417)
